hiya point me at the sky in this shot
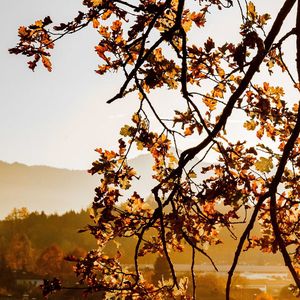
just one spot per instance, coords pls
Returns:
(59, 118)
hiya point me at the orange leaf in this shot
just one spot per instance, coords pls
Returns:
(210, 103)
(116, 25)
(96, 2)
(100, 51)
(266, 86)
(199, 19)
(106, 14)
(39, 23)
(188, 131)
(23, 31)
(110, 154)
(95, 23)
(47, 63)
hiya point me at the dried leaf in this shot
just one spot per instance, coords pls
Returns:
(47, 63)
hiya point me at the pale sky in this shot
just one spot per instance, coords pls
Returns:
(59, 118)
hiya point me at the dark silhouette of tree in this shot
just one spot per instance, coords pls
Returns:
(250, 181)
(162, 270)
(6, 275)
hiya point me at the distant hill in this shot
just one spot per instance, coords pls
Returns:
(41, 188)
(53, 190)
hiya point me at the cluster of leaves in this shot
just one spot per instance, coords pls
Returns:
(35, 41)
(149, 41)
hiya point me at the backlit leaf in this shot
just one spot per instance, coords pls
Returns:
(210, 103)
(250, 125)
(251, 11)
(188, 131)
(96, 2)
(95, 23)
(264, 164)
(47, 63)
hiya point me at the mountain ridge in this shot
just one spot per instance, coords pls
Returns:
(44, 188)
(57, 190)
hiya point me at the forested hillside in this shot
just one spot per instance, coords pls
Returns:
(37, 244)
(39, 231)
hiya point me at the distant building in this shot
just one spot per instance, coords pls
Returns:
(27, 279)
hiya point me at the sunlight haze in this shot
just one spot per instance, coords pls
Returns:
(59, 118)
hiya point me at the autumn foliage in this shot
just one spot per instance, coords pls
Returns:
(254, 180)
